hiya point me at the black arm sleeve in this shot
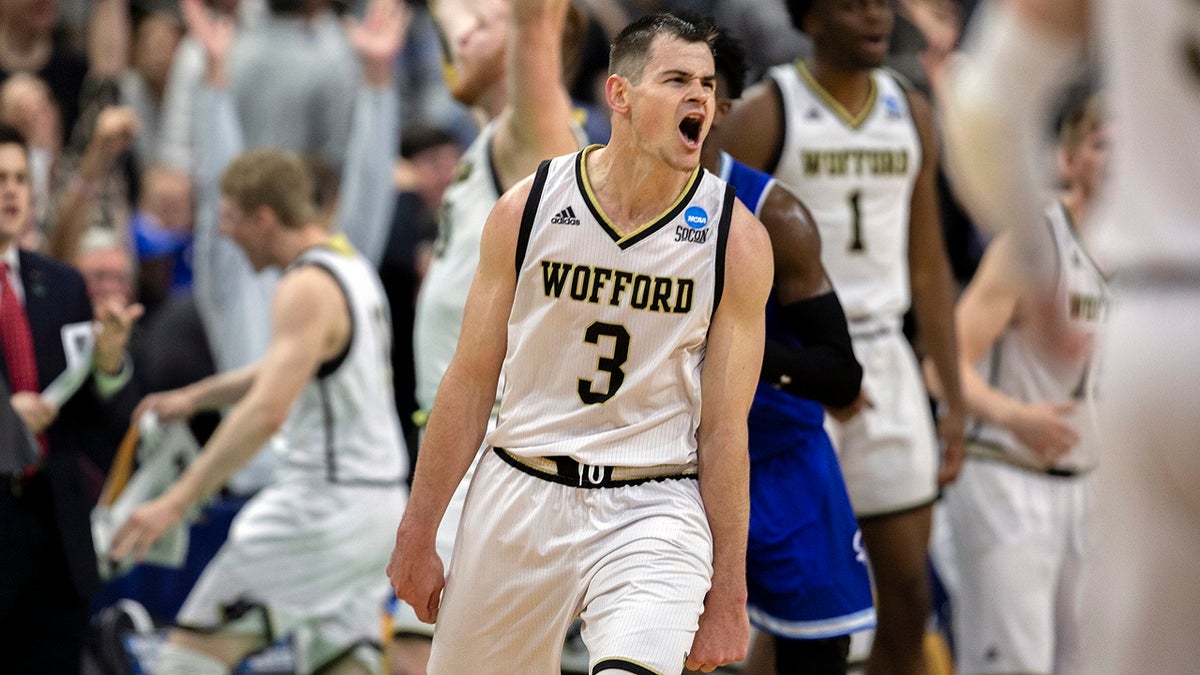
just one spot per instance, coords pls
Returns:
(824, 368)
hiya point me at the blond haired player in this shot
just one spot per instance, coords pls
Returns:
(1144, 598)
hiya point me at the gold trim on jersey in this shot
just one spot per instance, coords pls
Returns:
(852, 121)
(617, 235)
(1104, 276)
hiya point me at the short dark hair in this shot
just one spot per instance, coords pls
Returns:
(630, 50)
(797, 10)
(418, 138)
(730, 60)
(10, 135)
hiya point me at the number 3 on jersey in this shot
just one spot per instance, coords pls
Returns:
(607, 364)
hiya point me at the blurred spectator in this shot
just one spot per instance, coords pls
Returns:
(161, 228)
(107, 266)
(309, 110)
(143, 85)
(28, 44)
(27, 104)
(48, 562)
(765, 29)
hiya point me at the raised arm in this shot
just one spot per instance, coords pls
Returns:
(536, 122)
(458, 420)
(933, 291)
(115, 130)
(731, 365)
(224, 281)
(995, 102)
(822, 366)
(367, 197)
(310, 323)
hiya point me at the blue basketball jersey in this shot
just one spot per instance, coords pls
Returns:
(805, 567)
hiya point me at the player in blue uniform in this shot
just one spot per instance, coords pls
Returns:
(806, 572)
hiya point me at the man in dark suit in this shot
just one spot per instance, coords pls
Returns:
(47, 560)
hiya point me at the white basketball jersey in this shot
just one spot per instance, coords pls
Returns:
(856, 175)
(443, 295)
(344, 428)
(442, 299)
(1152, 224)
(607, 335)
(1019, 366)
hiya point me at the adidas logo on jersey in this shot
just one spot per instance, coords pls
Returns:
(565, 217)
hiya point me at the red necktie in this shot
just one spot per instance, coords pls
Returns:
(18, 341)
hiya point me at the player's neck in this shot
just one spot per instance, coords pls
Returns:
(1078, 205)
(849, 85)
(632, 188)
(491, 103)
(289, 244)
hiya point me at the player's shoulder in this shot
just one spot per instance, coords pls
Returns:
(748, 238)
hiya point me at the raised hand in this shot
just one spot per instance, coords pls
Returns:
(214, 32)
(114, 321)
(116, 128)
(379, 37)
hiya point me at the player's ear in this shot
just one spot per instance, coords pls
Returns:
(616, 93)
(265, 215)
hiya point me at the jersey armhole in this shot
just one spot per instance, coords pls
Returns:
(531, 208)
(722, 244)
(777, 152)
(331, 366)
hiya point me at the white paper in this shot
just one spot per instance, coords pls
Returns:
(163, 453)
(78, 343)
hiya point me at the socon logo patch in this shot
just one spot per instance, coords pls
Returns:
(696, 218)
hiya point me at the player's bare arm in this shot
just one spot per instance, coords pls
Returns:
(825, 369)
(933, 291)
(310, 324)
(211, 393)
(994, 104)
(731, 366)
(458, 420)
(753, 130)
(536, 123)
(990, 304)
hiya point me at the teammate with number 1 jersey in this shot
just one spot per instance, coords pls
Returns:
(859, 150)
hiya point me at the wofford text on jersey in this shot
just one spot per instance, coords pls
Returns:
(639, 291)
(856, 162)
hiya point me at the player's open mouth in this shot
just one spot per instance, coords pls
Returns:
(690, 128)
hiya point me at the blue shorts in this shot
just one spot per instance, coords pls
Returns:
(806, 570)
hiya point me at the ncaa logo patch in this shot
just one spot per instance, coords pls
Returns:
(892, 107)
(696, 220)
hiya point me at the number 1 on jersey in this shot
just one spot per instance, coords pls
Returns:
(608, 364)
(857, 245)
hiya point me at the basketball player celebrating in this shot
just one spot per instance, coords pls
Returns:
(808, 609)
(1144, 594)
(616, 484)
(859, 150)
(304, 554)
